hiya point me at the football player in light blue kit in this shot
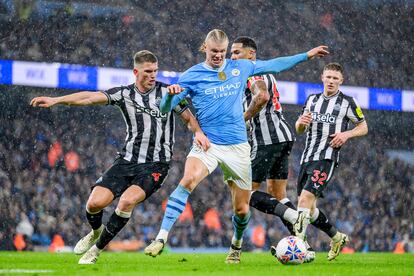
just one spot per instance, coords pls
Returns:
(216, 88)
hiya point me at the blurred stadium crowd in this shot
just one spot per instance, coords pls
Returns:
(47, 169)
(372, 40)
(50, 158)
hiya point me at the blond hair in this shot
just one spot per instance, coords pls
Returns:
(216, 35)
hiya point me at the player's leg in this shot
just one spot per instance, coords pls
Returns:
(109, 186)
(119, 218)
(240, 220)
(99, 198)
(149, 178)
(268, 162)
(305, 201)
(236, 167)
(277, 177)
(195, 171)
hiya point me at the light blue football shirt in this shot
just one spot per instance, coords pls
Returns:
(218, 101)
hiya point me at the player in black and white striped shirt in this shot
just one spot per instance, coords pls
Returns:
(325, 118)
(143, 163)
(271, 135)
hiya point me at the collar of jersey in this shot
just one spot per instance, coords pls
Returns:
(215, 70)
(330, 97)
(143, 93)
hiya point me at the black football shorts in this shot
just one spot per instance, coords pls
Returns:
(122, 174)
(271, 161)
(314, 176)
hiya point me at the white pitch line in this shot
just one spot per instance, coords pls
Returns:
(25, 271)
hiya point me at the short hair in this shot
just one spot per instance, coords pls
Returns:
(247, 42)
(144, 56)
(334, 66)
(216, 35)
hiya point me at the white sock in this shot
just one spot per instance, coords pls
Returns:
(284, 200)
(162, 235)
(304, 210)
(315, 215)
(291, 215)
(98, 231)
(237, 243)
(95, 249)
(337, 237)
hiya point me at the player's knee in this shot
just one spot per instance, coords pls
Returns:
(255, 186)
(95, 205)
(189, 182)
(126, 204)
(241, 210)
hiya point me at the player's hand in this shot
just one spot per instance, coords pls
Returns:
(201, 140)
(339, 139)
(305, 119)
(175, 89)
(43, 102)
(257, 86)
(319, 51)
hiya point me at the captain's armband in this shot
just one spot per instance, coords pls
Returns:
(181, 106)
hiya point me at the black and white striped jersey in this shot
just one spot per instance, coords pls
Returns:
(269, 126)
(329, 115)
(149, 133)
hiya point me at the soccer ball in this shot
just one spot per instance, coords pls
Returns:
(290, 250)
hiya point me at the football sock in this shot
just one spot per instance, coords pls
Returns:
(175, 206)
(94, 219)
(336, 237)
(288, 203)
(288, 225)
(115, 223)
(267, 204)
(239, 226)
(320, 221)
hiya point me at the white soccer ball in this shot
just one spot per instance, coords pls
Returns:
(290, 250)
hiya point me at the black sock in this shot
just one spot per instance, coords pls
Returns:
(114, 225)
(323, 224)
(267, 204)
(95, 220)
(290, 205)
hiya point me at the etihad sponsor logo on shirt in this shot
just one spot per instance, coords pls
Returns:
(323, 118)
(151, 112)
(223, 90)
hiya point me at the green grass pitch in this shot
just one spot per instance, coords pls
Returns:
(258, 264)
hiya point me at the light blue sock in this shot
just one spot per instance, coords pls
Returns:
(175, 206)
(239, 227)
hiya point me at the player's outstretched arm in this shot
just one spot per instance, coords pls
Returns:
(259, 98)
(192, 124)
(340, 138)
(281, 64)
(77, 99)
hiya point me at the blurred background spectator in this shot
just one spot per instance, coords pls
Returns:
(372, 39)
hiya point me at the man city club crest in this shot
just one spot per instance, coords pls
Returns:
(235, 72)
(222, 76)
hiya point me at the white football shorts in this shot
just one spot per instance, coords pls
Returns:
(234, 161)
